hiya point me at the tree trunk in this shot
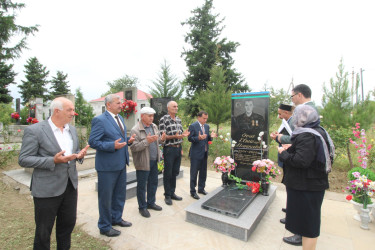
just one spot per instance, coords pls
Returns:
(349, 156)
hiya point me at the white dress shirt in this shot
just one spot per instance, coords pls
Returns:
(64, 138)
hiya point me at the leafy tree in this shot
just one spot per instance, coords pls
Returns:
(336, 100)
(36, 80)
(205, 47)
(10, 48)
(6, 110)
(59, 84)
(165, 85)
(6, 77)
(120, 84)
(83, 109)
(216, 101)
(277, 96)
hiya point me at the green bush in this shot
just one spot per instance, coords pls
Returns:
(363, 171)
(5, 113)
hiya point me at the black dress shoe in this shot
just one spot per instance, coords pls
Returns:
(175, 197)
(203, 192)
(122, 223)
(282, 221)
(154, 207)
(144, 212)
(168, 200)
(111, 233)
(284, 210)
(195, 196)
(295, 240)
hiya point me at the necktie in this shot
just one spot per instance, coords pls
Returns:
(119, 124)
(205, 146)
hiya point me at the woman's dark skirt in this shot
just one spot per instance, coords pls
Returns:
(304, 212)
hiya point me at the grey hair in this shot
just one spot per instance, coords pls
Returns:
(109, 98)
(169, 103)
(56, 104)
(304, 114)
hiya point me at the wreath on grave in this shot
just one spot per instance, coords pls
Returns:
(128, 107)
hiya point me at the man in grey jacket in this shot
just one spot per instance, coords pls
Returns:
(51, 148)
(146, 155)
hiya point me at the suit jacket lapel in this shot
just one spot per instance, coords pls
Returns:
(46, 128)
(114, 123)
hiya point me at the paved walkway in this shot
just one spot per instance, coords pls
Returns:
(169, 230)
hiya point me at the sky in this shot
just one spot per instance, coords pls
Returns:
(96, 42)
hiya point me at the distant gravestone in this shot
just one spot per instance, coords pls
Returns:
(249, 118)
(160, 106)
(18, 109)
(131, 94)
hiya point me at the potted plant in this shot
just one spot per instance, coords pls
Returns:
(360, 191)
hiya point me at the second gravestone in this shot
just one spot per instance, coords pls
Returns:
(249, 118)
(160, 106)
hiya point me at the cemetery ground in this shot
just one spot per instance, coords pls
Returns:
(17, 214)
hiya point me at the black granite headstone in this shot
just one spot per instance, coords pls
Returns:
(160, 106)
(249, 118)
(18, 109)
(230, 201)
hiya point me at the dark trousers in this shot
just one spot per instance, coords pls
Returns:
(172, 162)
(63, 208)
(147, 179)
(198, 166)
(111, 197)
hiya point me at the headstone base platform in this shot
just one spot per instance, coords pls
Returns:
(241, 227)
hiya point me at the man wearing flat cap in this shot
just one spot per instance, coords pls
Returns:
(146, 155)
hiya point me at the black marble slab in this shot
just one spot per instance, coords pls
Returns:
(230, 201)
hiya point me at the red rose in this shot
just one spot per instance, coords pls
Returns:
(75, 114)
(254, 168)
(349, 197)
(210, 142)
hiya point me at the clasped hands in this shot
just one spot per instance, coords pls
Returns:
(61, 158)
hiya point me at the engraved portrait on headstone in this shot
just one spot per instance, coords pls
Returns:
(160, 106)
(128, 95)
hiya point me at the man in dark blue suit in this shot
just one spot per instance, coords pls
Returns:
(199, 137)
(108, 137)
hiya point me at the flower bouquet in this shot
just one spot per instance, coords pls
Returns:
(31, 120)
(267, 169)
(361, 189)
(128, 107)
(15, 116)
(224, 164)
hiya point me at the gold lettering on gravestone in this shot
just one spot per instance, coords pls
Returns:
(248, 141)
(246, 157)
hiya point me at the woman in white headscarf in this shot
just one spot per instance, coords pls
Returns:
(307, 163)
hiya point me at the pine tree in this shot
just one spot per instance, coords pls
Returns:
(216, 101)
(10, 48)
(165, 85)
(205, 44)
(36, 80)
(6, 77)
(336, 100)
(59, 85)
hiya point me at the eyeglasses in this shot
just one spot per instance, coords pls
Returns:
(293, 95)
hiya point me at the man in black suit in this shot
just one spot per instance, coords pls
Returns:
(199, 137)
